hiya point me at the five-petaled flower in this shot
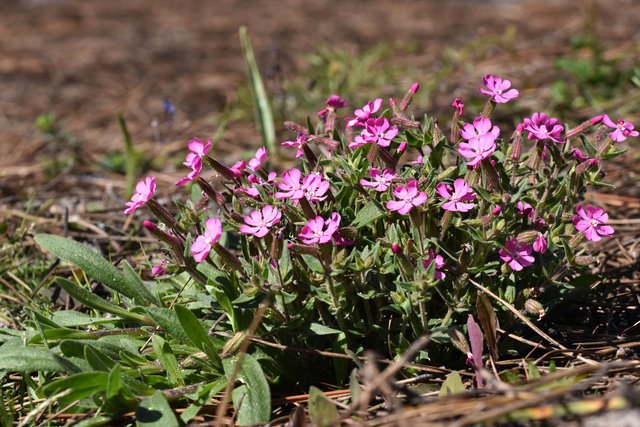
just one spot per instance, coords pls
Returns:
(315, 187)
(376, 131)
(194, 159)
(291, 185)
(432, 257)
(259, 222)
(319, 230)
(380, 181)
(144, 192)
(202, 246)
(590, 223)
(525, 209)
(543, 127)
(256, 180)
(457, 200)
(481, 137)
(255, 163)
(408, 196)
(498, 89)
(517, 254)
(622, 129)
(301, 139)
(363, 114)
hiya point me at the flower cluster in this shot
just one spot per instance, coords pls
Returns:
(366, 222)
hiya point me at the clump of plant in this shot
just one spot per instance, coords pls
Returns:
(387, 229)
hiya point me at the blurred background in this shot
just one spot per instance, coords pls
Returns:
(174, 69)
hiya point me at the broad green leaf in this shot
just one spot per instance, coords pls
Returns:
(32, 359)
(94, 265)
(134, 280)
(61, 334)
(165, 355)
(320, 329)
(68, 318)
(451, 385)
(167, 320)
(196, 333)
(114, 382)
(92, 300)
(263, 107)
(322, 411)
(369, 213)
(156, 412)
(97, 359)
(252, 400)
(82, 385)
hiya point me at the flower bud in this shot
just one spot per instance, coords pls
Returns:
(585, 260)
(233, 345)
(402, 147)
(534, 307)
(527, 236)
(296, 127)
(447, 173)
(223, 170)
(395, 248)
(496, 210)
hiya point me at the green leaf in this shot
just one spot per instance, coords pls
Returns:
(93, 265)
(322, 411)
(167, 320)
(369, 213)
(452, 385)
(165, 355)
(252, 400)
(92, 300)
(114, 382)
(265, 117)
(82, 385)
(204, 396)
(97, 359)
(320, 329)
(196, 333)
(32, 359)
(156, 412)
(135, 282)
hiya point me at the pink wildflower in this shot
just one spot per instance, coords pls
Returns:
(333, 103)
(525, 209)
(480, 138)
(301, 139)
(256, 180)
(517, 255)
(462, 193)
(431, 257)
(590, 222)
(498, 89)
(194, 159)
(259, 222)
(319, 230)
(409, 197)
(403, 146)
(238, 168)
(291, 185)
(315, 187)
(540, 245)
(202, 246)
(622, 129)
(581, 157)
(544, 127)
(158, 270)
(144, 192)
(458, 105)
(363, 114)
(376, 131)
(381, 181)
(256, 163)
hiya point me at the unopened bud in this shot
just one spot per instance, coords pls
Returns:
(403, 121)
(583, 127)
(496, 210)
(296, 127)
(527, 236)
(233, 345)
(535, 308)
(297, 248)
(402, 147)
(447, 173)
(395, 248)
(585, 260)
(408, 96)
(223, 170)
